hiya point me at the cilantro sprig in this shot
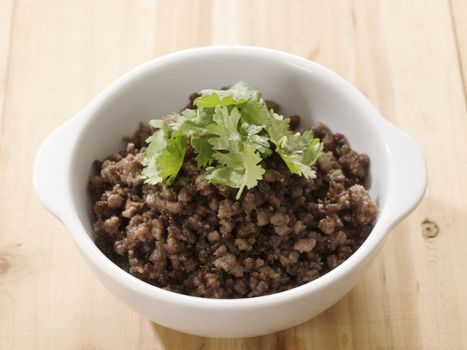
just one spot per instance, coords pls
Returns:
(231, 131)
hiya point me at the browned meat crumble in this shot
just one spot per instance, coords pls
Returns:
(195, 238)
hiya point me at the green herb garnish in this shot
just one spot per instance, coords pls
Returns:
(230, 131)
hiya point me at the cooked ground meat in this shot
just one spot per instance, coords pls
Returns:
(195, 238)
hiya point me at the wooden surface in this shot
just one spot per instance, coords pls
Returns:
(408, 57)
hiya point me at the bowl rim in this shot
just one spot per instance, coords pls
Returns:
(383, 224)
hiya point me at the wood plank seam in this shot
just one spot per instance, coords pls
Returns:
(458, 53)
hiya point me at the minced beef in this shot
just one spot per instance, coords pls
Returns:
(194, 238)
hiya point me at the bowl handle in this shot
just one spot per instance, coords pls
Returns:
(408, 174)
(50, 178)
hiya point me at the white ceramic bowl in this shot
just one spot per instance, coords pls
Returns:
(161, 86)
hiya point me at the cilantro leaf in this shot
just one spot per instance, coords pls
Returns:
(203, 150)
(157, 142)
(295, 164)
(221, 175)
(313, 151)
(278, 127)
(237, 170)
(253, 171)
(190, 121)
(255, 135)
(255, 112)
(237, 94)
(170, 160)
(212, 99)
(299, 152)
(242, 90)
(224, 130)
(230, 131)
(229, 159)
(164, 156)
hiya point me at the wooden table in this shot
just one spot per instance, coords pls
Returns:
(408, 57)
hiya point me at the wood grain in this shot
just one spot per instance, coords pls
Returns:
(408, 57)
(458, 10)
(6, 15)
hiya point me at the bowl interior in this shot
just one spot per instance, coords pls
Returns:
(163, 86)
